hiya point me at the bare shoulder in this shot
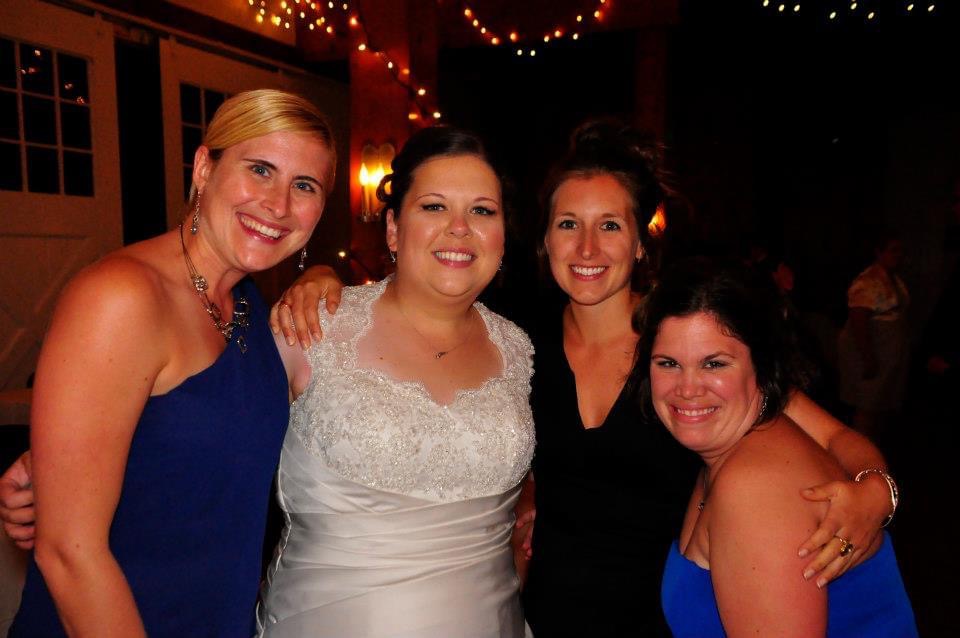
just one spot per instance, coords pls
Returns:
(773, 463)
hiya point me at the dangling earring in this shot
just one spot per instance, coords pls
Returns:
(763, 405)
(393, 256)
(195, 221)
(303, 259)
(500, 266)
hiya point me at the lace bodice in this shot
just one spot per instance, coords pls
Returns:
(391, 435)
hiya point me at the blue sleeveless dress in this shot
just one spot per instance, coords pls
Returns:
(868, 601)
(188, 531)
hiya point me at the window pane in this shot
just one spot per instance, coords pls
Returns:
(191, 140)
(42, 171)
(39, 120)
(8, 64)
(190, 104)
(187, 182)
(36, 66)
(75, 125)
(77, 173)
(211, 102)
(10, 160)
(9, 123)
(73, 78)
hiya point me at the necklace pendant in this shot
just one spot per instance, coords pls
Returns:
(701, 505)
(440, 354)
(242, 344)
(199, 282)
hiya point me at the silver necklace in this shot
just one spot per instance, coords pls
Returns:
(439, 353)
(241, 308)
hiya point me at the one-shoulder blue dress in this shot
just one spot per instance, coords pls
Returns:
(188, 531)
(869, 601)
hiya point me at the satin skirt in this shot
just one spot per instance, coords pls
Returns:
(356, 561)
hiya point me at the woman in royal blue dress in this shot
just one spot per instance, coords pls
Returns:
(161, 400)
(720, 373)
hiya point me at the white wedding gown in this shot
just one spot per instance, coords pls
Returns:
(399, 510)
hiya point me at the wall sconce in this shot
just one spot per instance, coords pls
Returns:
(374, 164)
(658, 223)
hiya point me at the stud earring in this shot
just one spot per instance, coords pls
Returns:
(195, 221)
(303, 259)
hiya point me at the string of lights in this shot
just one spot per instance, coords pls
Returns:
(562, 29)
(336, 20)
(867, 10)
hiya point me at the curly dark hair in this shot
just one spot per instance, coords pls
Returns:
(747, 307)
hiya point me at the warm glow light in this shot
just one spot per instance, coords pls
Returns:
(781, 8)
(476, 23)
(342, 254)
(513, 36)
(405, 71)
(362, 47)
(467, 12)
(519, 51)
(930, 8)
(353, 21)
(483, 30)
(557, 33)
(533, 52)
(853, 6)
(597, 14)
(546, 38)
(413, 116)
(421, 91)
(259, 19)
(833, 15)
(283, 5)
(910, 7)
(576, 36)
(437, 115)
(658, 223)
(766, 3)
(494, 40)
(329, 29)
(870, 15)
(796, 8)
(579, 18)
(311, 26)
(389, 65)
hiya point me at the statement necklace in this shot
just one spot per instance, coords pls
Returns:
(241, 308)
(439, 353)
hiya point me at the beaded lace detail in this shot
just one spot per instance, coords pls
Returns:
(391, 435)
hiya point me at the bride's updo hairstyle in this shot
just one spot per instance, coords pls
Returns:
(260, 112)
(610, 147)
(423, 146)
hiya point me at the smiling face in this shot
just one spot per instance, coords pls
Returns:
(450, 232)
(592, 238)
(703, 384)
(262, 199)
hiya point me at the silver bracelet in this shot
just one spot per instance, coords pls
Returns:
(894, 492)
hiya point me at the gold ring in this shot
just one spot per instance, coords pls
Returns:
(846, 547)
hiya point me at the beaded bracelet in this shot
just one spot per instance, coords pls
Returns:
(894, 492)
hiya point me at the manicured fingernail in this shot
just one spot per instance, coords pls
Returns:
(290, 341)
(316, 335)
(275, 331)
(803, 552)
(821, 583)
(807, 574)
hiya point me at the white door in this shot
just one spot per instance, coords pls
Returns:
(59, 177)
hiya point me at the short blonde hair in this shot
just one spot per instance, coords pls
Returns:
(259, 112)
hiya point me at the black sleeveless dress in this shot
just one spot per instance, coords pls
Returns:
(610, 500)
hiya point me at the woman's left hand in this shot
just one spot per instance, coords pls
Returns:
(855, 514)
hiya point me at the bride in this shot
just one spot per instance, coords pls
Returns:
(411, 428)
